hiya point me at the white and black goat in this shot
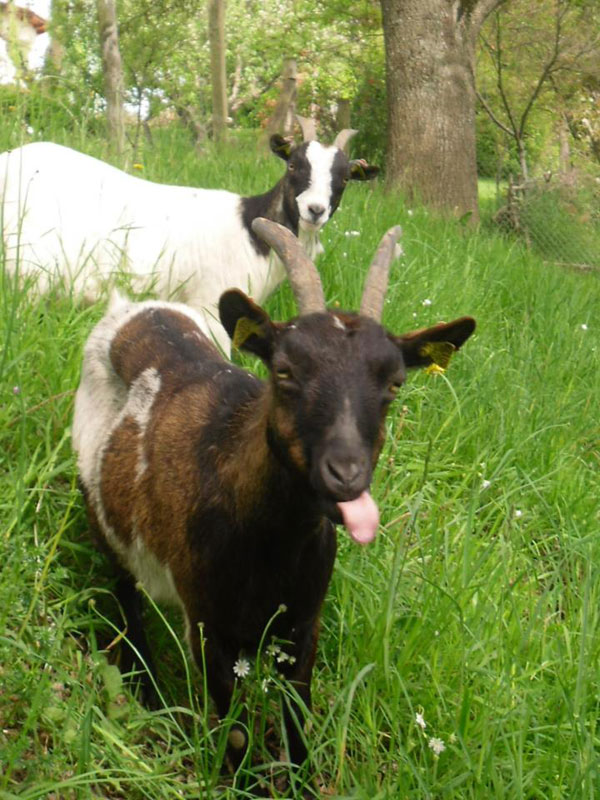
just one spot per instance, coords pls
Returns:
(67, 215)
(220, 492)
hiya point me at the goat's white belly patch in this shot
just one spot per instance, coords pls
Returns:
(156, 578)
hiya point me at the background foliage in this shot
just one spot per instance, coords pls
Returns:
(538, 76)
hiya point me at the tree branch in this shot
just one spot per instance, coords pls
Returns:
(548, 67)
(492, 116)
(496, 56)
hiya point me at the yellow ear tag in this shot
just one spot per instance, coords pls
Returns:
(434, 369)
(244, 329)
(440, 354)
(357, 169)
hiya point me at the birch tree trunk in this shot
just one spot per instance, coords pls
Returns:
(113, 75)
(216, 35)
(430, 76)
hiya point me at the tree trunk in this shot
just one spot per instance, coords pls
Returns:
(522, 151)
(429, 48)
(282, 119)
(53, 60)
(54, 57)
(565, 165)
(342, 118)
(113, 75)
(216, 35)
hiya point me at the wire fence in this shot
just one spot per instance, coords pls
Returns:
(557, 217)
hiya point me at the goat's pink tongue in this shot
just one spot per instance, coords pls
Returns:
(361, 517)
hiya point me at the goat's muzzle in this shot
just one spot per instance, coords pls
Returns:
(344, 479)
(316, 211)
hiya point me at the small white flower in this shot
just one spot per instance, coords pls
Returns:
(273, 649)
(420, 721)
(30, 130)
(265, 684)
(518, 512)
(410, 212)
(427, 302)
(241, 667)
(292, 659)
(584, 327)
(485, 484)
(281, 657)
(437, 745)
(351, 233)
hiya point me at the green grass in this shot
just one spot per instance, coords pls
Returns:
(477, 606)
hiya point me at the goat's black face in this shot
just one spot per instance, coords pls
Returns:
(332, 381)
(315, 180)
(333, 376)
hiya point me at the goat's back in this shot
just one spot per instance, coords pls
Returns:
(72, 218)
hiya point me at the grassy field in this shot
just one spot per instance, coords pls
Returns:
(474, 613)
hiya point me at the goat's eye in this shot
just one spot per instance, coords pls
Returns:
(291, 168)
(283, 374)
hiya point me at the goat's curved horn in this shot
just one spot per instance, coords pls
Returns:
(377, 278)
(343, 137)
(303, 275)
(309, 128)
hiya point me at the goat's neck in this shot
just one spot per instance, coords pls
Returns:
(271, 205)
(277, 207)
(260, 482)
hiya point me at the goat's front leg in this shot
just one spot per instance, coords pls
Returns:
(298, 671)
(217, 664)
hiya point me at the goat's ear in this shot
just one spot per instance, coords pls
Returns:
(248, 326)
(434, 346)
(361, 171)
(281, 146)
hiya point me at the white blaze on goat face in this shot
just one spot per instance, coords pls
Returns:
(318, 195)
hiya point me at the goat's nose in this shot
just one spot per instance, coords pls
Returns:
(316, 209)
(341, 474)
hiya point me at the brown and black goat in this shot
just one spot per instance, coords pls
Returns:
(220, 492)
